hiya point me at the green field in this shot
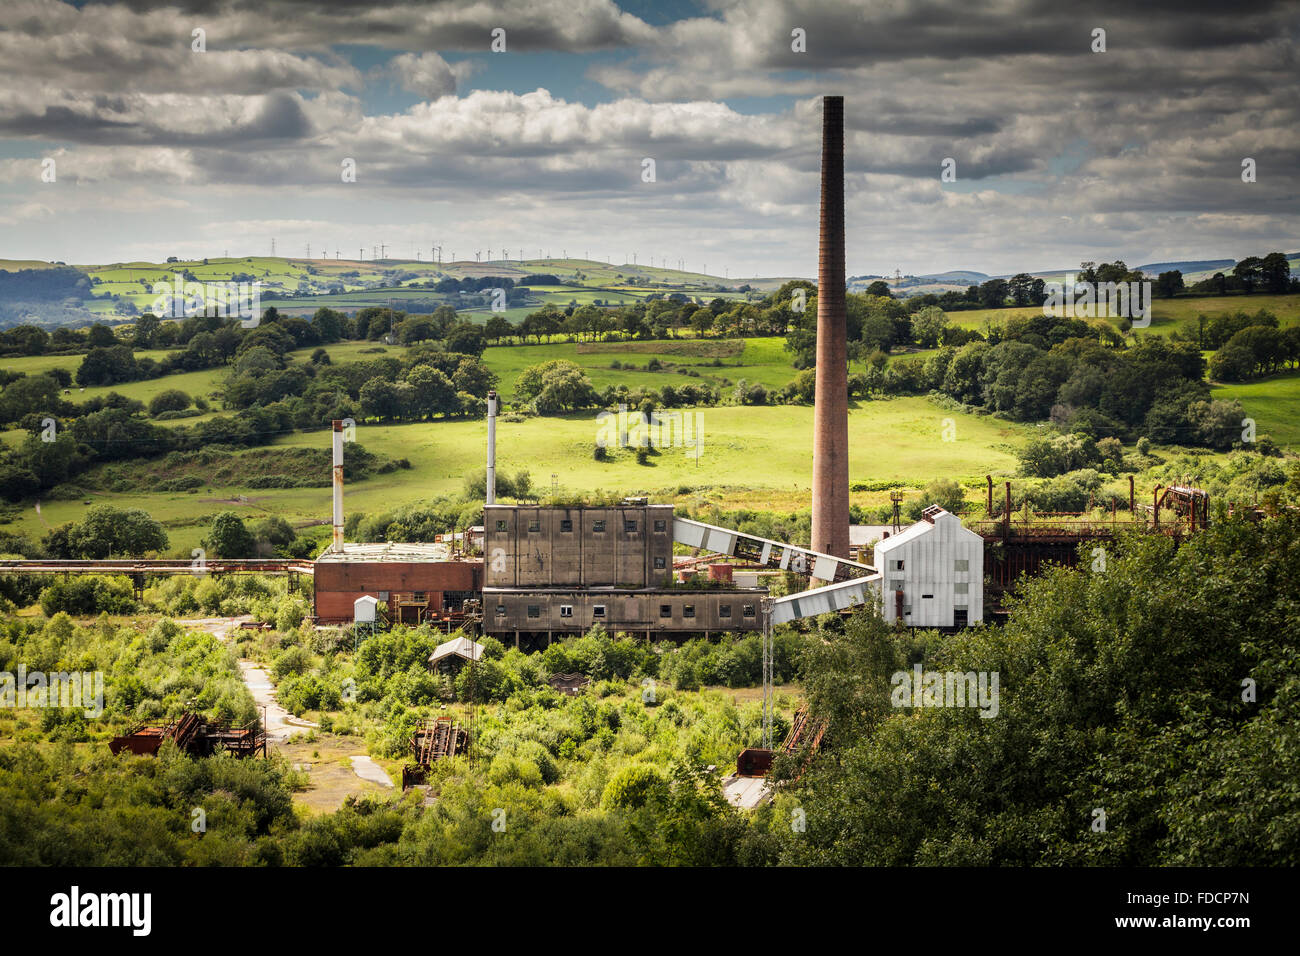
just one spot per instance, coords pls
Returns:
(1273, 402)
(756, 451)
(305, 283)
(1167, 314)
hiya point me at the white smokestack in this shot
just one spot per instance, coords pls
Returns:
(338, 486)
(492, 449)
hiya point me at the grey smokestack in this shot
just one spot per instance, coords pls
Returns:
(492, 449)
(338, 486)
(830, 503)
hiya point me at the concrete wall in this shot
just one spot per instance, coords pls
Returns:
(931, 584)
(507, 611)
(625, 546)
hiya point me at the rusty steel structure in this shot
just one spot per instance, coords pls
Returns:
(138, 569)
(1182, 501)
(830, 495)
(1018, 546)
(805, 729)
(195, 735)
(433, 740)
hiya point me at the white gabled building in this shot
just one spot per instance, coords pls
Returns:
(932, 574)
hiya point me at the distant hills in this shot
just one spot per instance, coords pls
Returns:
(54, 293)
(1193, 270)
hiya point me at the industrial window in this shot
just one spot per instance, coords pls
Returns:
(419, 597)
(961, 564)
(896, 584)
(688, 610)
(661, 526)
(598, 526)
(629, 527)
(534, 610)
(896, 565)
(665, 610)
(534, 526)
(502, 526)
(962, 588)
(566, 610)
(748, 610)
(598, 610)
(959, 617)
(660, 564)
(724, 610)
(566, 525)
(501, 610)
(907, 609)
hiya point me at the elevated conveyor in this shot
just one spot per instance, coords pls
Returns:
(765, 552)
(825, 600)
(852, 582)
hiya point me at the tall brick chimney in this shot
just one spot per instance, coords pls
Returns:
(830, 503)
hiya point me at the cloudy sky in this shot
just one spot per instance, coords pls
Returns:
(1061, 153)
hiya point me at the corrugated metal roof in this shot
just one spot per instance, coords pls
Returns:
(461, 647)
(921, 528)
(396, 551)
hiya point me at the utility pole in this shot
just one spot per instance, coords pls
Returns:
(766, 604)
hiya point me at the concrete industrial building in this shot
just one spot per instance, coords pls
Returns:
(628, 545)
(561, 570)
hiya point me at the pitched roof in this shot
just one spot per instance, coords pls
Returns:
(461, 647)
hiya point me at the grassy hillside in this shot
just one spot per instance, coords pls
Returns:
(305, 284)
(1273, 402)
(1167, 314)
(764, 453)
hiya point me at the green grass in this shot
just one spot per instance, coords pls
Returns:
(1167, 314)
(758, 452)
(283, 275)
(1273, 402)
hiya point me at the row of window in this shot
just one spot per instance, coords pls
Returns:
(665, 610)
(958, 564)
(958, 588)
(597, 526)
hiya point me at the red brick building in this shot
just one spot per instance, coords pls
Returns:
(418, 582)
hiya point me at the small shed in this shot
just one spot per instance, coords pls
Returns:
(364, 609)
(461, 647)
